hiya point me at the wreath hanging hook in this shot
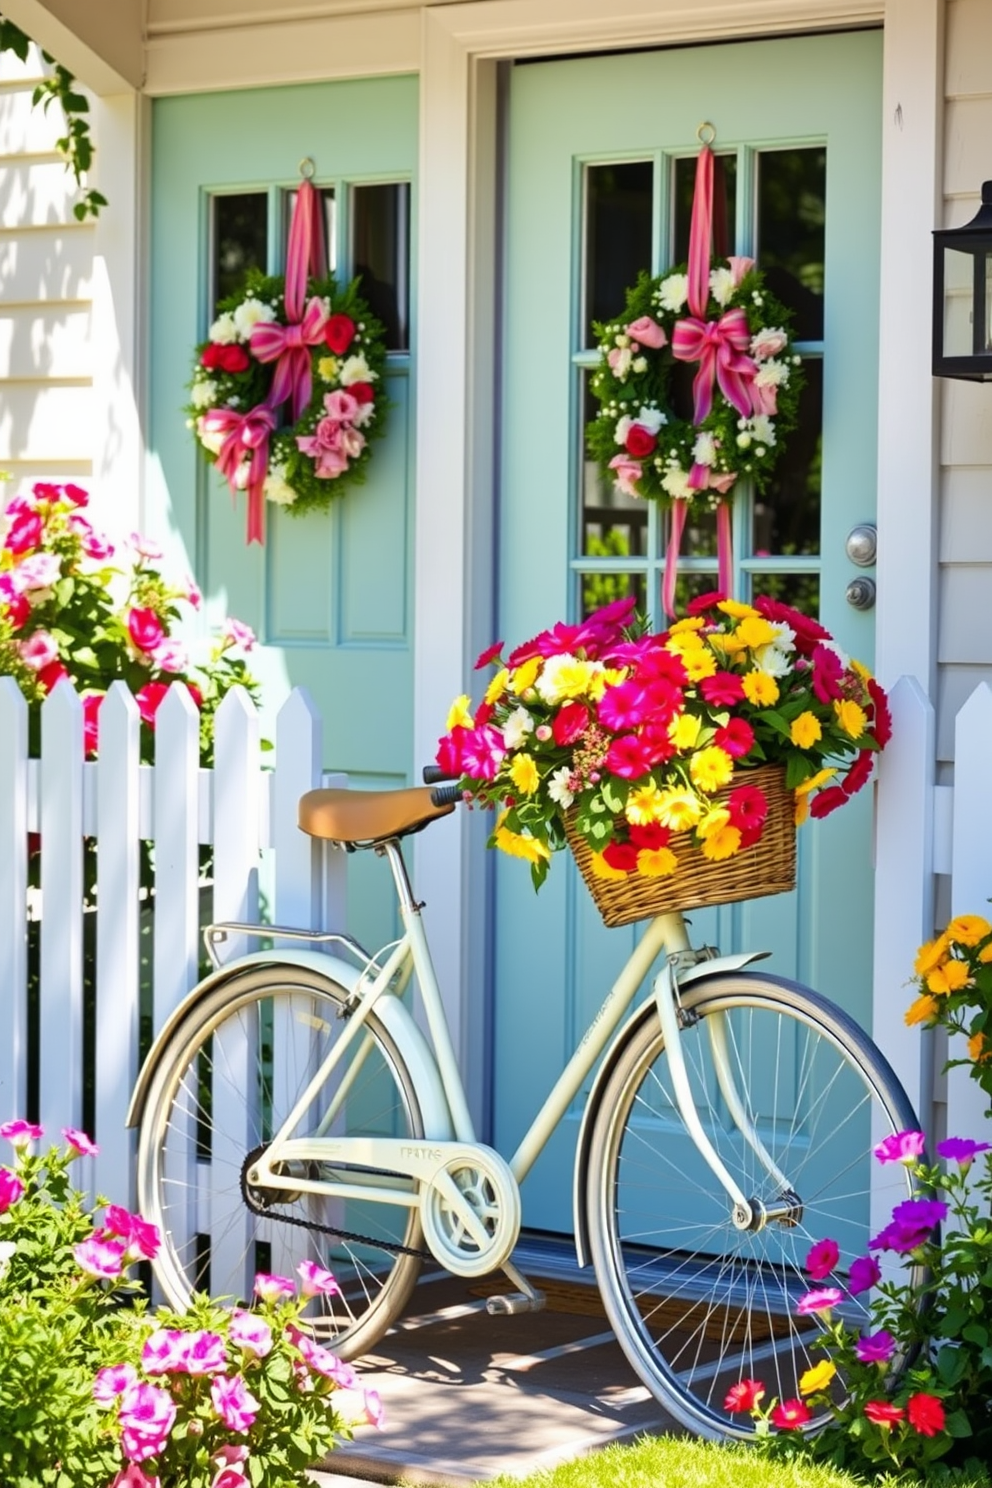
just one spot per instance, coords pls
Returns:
(307, 168)
(706, 132)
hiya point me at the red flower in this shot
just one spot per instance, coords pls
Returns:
(827, 800)
(570, 723)
(195, 693)
(656, 743)
(748, 807)
(449, 752)
(791, 1415)
(622, 855)
(362, 392)
(736, 737)
(149, 700)
(744, 1396)
(808, 631)
(76, 494)
(882, 726)
(704, 602)
(722, 690)
(827, 671)
(92, 703)
(145, 629)
(483, 713)
(640, 442)
(339, 332)
(490, 654)
(859, 772)
(225, 358)
(652, 835)
(659, 665)
(15, 605)
(45, 491)
(627, 757)
(24, 532)
(883, 1412)
(926, 1414)
(51, 675)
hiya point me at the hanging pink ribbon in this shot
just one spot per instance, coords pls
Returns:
(244, 434)
(306, 252)
(678, 513)
(289, 347)
(724, 550)
(719, 346)
(701, 235)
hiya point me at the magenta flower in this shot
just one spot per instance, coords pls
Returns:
(141, 1237)
(316, 1281)
(236, 633)
(962, 1150)
(270, 1288)
(25, 530)
(170, 656)
(145, 629)
(876, 1348)
(820, 1301)
(234, 1404)
(113, 1381)
(627, 757)
(133, 1476)
(38, 572)
(144, 549)
(78, 1143)
(165, 1352)
(193, 595)
(905, 1147)
(624, 706)
(205, 1353)
(373, 1413)
(11, 1189)
(913, 1221)
(101, 1258)
(483, 751)
(865, 1273)
(21, 1133)
(250, 1332)
(146, 1417)
(822, 1259)
(230, 1477)
(722, 690)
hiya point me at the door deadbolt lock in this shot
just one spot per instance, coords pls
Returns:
(860, 594)
(862, 544)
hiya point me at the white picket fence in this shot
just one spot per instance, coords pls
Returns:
(239, 808)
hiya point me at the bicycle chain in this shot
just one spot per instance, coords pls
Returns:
(393, 1246)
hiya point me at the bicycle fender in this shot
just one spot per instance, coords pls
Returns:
(703, 969)
(393, 1014)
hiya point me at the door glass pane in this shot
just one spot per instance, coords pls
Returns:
(800, 590)
(787, 514)
(239, 239)
(613, 525)
(724, 205)
(792, 211)
(380, 253)
(598, 589)
(617, 236)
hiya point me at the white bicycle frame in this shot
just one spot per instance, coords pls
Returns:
(424, 1162)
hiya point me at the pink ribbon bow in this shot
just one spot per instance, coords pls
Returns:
(244, 433)
(719, 346)
(288, 346)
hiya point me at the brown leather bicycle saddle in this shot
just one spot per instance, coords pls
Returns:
(367, 816)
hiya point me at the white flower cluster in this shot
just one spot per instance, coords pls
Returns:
(237, 325)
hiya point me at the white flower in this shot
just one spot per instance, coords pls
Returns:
(651, 418)
(558, 790)
(249, 313)
(639, 365)
(770, 660)
(356, 369)
(223, 329)
(763, 429)
(623, 429)
(7, 1248)
(365, 412)
(516, 728)
(676, 483)
(721, 285)
(203, 393)
(275, 487)
(211, 439)
(673, 292)
(768, 342)
(785, 636)
(704, 449)
(772, 374)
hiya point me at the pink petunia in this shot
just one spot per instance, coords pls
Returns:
(112, 1382)
(205, 1353)
(145, 629)
(822, 1259)
(75, 495)
(819, 1301)
(170, 656)
(145, 550)
(22, 1133)
(962, 1150)
(250, 1332)
(101, 1258)
(39, 572)
(146, 1416)
(78, 1143)
(233, 1402)
(134, 1476)
(372, 1410)
(39, 651)
(25, 530)
(11, 1190)
(140, 1235)
(316, 1281)
(904, 1147)
(236, 633)
(271, 1288)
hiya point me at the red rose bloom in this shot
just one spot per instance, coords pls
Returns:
(622, 855)
(220, 358)
(744, 1396)
(362, 392)
(926, 1414)
(339, 332)
(791, 1415)
(640, 442)
(883, 1412)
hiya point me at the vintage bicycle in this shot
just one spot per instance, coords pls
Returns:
(293, 1108)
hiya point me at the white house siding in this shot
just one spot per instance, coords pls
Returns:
(964, 631)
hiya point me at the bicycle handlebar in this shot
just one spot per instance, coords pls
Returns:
(434, 775)
(445, 795)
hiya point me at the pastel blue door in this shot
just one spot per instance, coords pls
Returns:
(600, 162)
(330, 594)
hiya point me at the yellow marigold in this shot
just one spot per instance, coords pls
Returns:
(931, 954)
(608, 677)
(711, 768)
(950, 977)
(815, 781)
(603, 869)
(805, 730)
(656, 862)
(497, 686)
(722, 844)
(678, 809)
(699, 664)
(977, 1049)
(755, 631)
(642, 805)
(735, 609)
(985, 954)
(801, 811)
(690, 622)
(817, 1378)
(327, 368)
(525, 675)
(922, 1010)
(521, 845)
(523, 773)
(713, 821)
(684, 640)
(460, 713)
(850, 716)
(968, 930)
(760, 689)
(684, 730)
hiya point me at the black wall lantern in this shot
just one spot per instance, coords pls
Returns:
(962, 297)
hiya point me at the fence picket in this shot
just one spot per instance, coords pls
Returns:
(971, 876)
(13, 899)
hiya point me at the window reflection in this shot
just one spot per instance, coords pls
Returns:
(600, 589)
(381, 255)
(800, 590)
(613, 525)
(791, 237)
(618, 207)
(239, 240)
(787, 514)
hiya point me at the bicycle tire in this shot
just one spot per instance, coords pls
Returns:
(226, 1079)
(697, 1304)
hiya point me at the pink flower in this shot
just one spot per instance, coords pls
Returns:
(736, 737)
(820, 1301)
(205, 1353)
(24, 532)
(133, 1476)
(905, 1147)
(627, 757)
(317, 1358)
(78, 1142)
(722, 690)
(101, 1258)
(38, 572)
(626, 473)
(113, 1381)
(164, 1351)
(170, 656)
(234, 1404)
(193, 595)
(75, 495)
(341, 406)
(149, 700)
(876, 1348)
(647, 332)
(230, 1477)
(271, 1288)
(316, 1282)
(11, 1189)
(145, 629)
(483, 751)
(827, 673)
(146, 1417)
(17, 608)
(144, 548)
(236, 633)
(822, 1259)
(39, 651)
(142, 1238)
(740, 265)
(570, 723)
(250, 1332)
(372, 1412)
(744, 1396)
(490, 654)
(92, 703)
(791, 1415)
(865, 1273)
(21, 1133)
(626, 705)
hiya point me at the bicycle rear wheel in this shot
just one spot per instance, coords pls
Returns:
(225, 1082)
(697, 1303)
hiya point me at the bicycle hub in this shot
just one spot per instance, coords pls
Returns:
(787, 1210)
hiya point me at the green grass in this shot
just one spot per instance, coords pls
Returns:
(680, 1462)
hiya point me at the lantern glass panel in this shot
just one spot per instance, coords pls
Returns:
(959, 272)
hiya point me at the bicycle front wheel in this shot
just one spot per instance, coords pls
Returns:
(225, 1083)
(699, 1303)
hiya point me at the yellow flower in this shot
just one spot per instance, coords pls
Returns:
(735, 609)
(817, 1378)
(977, 1049)
(730, 645)
(678, 809)
(760, 689)
(805, 730)
(950, 977)
(525, 675)
(601, 680)
(642, 805)
(801, 811)
(754, 631)
(968, 930)
(713, 821)
(860, 670)
(815, 781)
(521, 845)
(922, 1010)
(460, 713)
(699, 664)
(684, 730)
(931, 954)
(711, 768)
(690, 622)
(327, 367)
(684, 640)
(497, 686)
(985, 954)
(523, 773)
(656, 862)
(566, 677)
(850, 717)
(603, 869)
(722, 844)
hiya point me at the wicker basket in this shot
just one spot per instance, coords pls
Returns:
(769, 867)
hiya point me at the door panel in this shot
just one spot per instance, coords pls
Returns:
(600, 162)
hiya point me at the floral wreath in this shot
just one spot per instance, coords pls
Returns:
(718, 316)
(286, 390)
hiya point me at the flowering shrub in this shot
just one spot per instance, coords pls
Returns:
(954, 976)
(913, 1382)
(94, 1394)
(71, 605)
(635, 733)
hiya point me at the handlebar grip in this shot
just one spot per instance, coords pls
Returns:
(434, 775)
(446, 795)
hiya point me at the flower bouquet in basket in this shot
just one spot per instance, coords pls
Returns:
(675, 765)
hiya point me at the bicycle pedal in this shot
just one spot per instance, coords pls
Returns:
(509, 1304)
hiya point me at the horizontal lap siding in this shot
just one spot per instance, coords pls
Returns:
(46, 273)
(964, 635)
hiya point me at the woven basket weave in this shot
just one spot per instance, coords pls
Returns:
(769, 867)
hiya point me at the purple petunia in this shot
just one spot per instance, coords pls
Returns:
(876, 1348)
(905, 1147)
(865, 1273)
(962, 1150)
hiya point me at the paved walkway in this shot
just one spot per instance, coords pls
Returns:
(468, 1396)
